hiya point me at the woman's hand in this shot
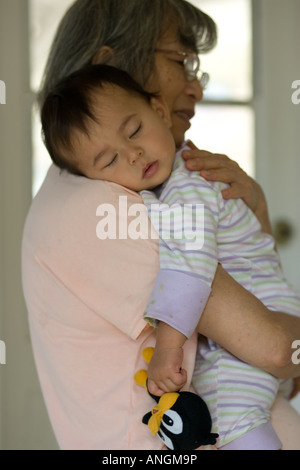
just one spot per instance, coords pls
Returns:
(218, 167)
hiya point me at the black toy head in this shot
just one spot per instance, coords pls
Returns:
(186, 425)
(180, 419)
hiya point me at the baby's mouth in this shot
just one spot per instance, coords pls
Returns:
(150, 169)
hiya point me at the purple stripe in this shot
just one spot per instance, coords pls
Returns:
(250, 384)
(232, 358)
(207, 394)
(237, 269)
(203, 253)
(269, 259)
(233, 224)
(179, 186)
(264, 245)
(265, 276)
(237, 405)
(239, 240)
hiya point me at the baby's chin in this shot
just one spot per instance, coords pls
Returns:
(153, 186)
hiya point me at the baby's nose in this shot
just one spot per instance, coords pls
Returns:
(134, 154)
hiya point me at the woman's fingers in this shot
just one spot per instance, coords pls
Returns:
(218, 167)
(207, 160)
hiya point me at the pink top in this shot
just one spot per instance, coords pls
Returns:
(85, 299)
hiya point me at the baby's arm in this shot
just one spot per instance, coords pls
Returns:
(164, 372)
(183, 285)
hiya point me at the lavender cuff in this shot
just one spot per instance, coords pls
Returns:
(263, 437)
(177, 299)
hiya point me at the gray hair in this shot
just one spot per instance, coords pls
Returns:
(130, 28)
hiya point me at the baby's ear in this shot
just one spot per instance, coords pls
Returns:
(158, 103)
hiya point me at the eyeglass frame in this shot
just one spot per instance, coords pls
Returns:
(203, 79)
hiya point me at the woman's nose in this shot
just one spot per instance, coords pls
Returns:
(194, 90)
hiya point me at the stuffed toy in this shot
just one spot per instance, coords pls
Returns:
(180, 419)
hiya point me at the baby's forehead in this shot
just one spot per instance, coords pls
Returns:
(110, 111)
(115, 93)
(112, 101)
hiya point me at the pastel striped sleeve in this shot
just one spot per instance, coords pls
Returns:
(187, 248)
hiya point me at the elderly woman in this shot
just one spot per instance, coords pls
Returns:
(86, 323)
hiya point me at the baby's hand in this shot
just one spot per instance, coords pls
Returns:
(164, 371)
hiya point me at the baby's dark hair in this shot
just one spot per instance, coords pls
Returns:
(69, 107)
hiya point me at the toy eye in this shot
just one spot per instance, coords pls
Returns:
(166, 440)
(173, 422)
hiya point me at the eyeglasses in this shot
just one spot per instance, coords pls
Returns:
(191, 64)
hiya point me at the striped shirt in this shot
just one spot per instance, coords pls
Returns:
(205, 230)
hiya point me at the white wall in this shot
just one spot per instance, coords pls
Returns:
(277, 39)
(277, 66)
(23, 420)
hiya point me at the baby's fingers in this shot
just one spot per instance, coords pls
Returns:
(176, 381)
(154, 389)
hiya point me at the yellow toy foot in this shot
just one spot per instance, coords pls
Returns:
(141, 378)
(147, 354)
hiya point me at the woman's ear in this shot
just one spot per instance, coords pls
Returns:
(103, 55)
(159, 104)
